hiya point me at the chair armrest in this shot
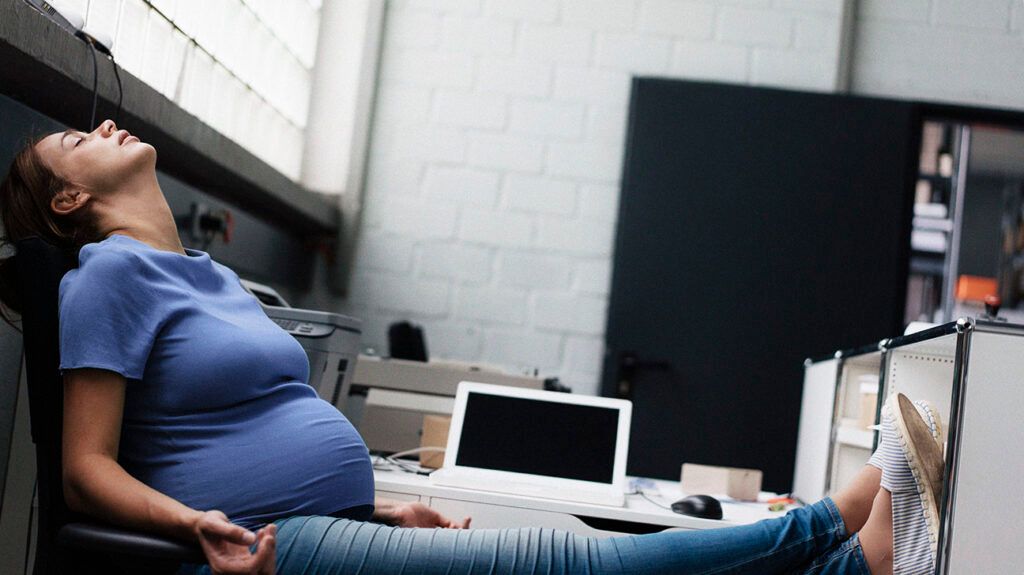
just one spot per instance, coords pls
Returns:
(94, 537)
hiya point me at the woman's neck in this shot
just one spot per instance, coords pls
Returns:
(141, 212)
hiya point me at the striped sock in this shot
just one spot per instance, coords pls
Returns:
(912, 546)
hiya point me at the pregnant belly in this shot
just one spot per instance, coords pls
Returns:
(298, 458)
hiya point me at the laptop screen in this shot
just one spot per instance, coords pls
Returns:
(539, 437)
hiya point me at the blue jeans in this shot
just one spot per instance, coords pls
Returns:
(810, 540)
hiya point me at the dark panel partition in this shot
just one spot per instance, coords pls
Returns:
(757, 227)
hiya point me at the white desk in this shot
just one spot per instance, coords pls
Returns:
(498, 510)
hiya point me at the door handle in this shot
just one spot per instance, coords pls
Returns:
(629, 364)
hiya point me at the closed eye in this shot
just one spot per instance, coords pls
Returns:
(80, 140)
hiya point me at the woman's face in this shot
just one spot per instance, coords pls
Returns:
(98, 161)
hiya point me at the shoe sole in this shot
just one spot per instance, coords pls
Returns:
(924, 457)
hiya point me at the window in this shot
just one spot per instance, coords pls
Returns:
(243, 67)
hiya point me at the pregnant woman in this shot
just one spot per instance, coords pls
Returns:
(186, 414)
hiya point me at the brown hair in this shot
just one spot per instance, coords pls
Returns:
(25, 195)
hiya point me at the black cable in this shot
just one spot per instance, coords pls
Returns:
(95, 84)
(120, 90)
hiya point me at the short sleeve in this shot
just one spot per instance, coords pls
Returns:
(109, 313)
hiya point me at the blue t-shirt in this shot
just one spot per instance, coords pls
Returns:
(217, 412)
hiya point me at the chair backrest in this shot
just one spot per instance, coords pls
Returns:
(40, 267)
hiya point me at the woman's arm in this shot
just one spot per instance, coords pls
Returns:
(95, 483)
(412, 514)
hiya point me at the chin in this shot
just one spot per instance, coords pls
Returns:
(146, 151)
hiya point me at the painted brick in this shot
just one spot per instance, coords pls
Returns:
(547, 118)
(635, 53)
(492, 304)
(539, 194)
(455, 261)
(990, 14)
(746, 3)
(617, 15)
(505, 152)
(599, 202)
(514, 78)
(379, 291)
(385, 252)
(413, 28)
(478, 36)
(464, 186)
(418, 219)
(522, 349)
(914, 62)
(607, 123)
(754, 27)
(453, 340)
(423, 298)
(419, 68)
(710, 61)
(575, 236)
(817, 33)
(403, 105)
(909, 10)
(531, 10)
(363, 288)
(593, 276)
(541, 43)
(401, 177)
(425, 143)
(830, 7)
(469, 7)
(592, 86)
(570, 313)
(496, 228)
(584, 355)
(533, 270)
(469, 110)
(692, 20)
(810, 70)
(589, 161)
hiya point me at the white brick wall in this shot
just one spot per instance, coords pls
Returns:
(966, 51)
(496, 153)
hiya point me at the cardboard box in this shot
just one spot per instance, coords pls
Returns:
(435, 434)
(742, 484)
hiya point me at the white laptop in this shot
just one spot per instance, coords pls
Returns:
(537, 443)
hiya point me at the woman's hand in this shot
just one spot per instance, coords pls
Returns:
(413, 514)
(226, 546)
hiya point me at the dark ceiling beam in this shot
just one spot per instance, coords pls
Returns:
(46, 68)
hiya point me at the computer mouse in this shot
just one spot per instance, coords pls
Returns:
(703, 506)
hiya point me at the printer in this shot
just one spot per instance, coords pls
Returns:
(384, 398)
(388, 397)
(331, 341)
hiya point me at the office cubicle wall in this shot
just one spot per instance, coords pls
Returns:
(984, 505)
(815, 431)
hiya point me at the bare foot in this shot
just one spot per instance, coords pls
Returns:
(876, 536)
(855, 501)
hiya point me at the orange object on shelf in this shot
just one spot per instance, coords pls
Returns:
(976, 288)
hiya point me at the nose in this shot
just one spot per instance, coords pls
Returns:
(106, 128)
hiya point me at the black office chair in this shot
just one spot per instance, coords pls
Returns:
(67, 542)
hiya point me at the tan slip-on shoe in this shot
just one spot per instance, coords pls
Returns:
(924, 455)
